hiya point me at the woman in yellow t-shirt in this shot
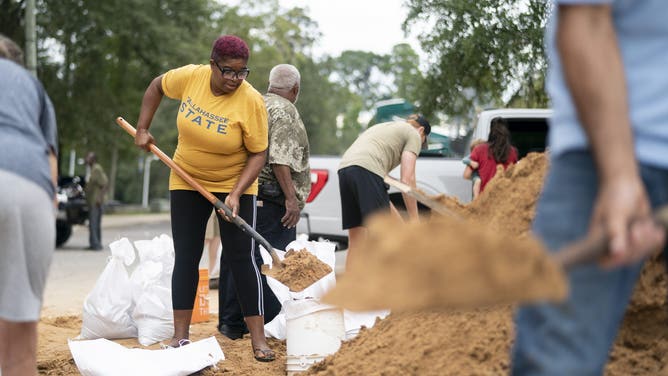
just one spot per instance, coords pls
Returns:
(222, 142)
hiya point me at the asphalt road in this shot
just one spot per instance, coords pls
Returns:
(75, 270)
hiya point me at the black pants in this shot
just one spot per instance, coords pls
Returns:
(190, 212)
(269, 226)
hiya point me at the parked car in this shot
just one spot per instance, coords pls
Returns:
(72, 208)
(436, 172)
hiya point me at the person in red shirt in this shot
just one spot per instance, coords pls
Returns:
(496, 151)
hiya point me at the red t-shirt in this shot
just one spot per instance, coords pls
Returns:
(487, 168)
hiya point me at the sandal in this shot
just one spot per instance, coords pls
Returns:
(267, 355)
(182, 342)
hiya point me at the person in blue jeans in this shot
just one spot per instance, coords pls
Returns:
(608, 148)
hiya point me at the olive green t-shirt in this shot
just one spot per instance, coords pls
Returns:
(379, 148)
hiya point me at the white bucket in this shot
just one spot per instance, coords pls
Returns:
(313, 331)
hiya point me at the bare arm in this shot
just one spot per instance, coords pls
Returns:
(284, 177)
(468, 172)
(594, 73)
(149, 104)
(254, 165)
(408, 160)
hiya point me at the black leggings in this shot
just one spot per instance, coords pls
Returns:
(190, 212)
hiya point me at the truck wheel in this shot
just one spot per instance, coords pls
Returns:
(63, 232)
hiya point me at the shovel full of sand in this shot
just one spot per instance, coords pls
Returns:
(295, 272)
(446, 263)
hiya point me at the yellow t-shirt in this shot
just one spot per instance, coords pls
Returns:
(215, 132)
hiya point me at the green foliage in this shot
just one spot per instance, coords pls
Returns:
(107, 56)
(11, 20)
(482, 51)
(360, 72)
(403, 65)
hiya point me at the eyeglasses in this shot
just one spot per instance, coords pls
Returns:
(229, 74)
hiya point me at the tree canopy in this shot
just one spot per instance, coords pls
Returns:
(481, 53)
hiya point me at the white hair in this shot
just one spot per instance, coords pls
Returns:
(283, 76)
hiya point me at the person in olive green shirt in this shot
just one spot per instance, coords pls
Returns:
(96, 188)
(363, 166)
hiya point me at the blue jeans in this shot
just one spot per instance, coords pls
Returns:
(270, 227)
(574, 337)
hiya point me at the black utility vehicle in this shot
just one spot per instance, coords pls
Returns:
(72, 208)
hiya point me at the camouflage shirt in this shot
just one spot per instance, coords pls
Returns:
(288, 145)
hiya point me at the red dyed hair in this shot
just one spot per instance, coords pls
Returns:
(229, 46)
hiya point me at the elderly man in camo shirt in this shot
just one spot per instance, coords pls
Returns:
(285, 183)
(285, 180)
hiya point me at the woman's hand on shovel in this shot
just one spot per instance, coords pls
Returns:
(144, 139)
(623, 211)
(232, 202)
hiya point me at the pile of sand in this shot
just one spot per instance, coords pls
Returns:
(461, 342)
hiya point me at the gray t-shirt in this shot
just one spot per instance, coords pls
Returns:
(379, 148)
(27, 125)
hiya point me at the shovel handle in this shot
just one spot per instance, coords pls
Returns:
(218, 204)
(420, 197)
(592, 248)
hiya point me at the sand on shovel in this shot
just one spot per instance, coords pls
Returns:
(445, 263)
(487, 259)
(300, 270)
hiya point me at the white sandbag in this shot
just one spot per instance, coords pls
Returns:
(151, 283)
(102, 357)
(277, 328)
(153, 315)
(106, 310)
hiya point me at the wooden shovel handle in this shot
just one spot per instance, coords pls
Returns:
(421, 197)
(219, 205)
(590, 249)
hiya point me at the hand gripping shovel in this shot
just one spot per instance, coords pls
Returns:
(593, 248)
(278, 270)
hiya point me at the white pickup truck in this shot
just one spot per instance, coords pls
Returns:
(321, 218)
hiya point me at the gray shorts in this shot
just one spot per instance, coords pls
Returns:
(27, 242)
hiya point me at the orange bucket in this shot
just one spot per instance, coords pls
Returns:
(201, 307)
